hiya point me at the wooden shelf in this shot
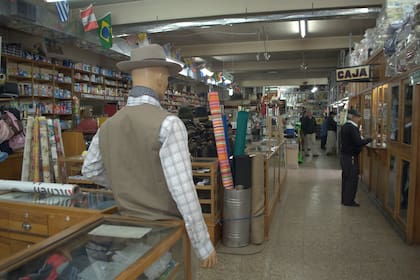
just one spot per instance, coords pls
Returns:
(203, 187)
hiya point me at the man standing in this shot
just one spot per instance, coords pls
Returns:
(308, 130)
(351, 145)
(331, 134)
(142, 154)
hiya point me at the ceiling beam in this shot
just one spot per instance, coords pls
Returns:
(158, 10)
(276, 65)
(284, 82)
(289, 45)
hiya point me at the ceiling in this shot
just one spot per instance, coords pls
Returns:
(233, 36)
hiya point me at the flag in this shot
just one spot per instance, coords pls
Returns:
(88, 18)
(63, 10)
(105, 31)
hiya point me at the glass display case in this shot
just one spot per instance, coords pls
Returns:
(407, 114)
(109, 247)
(394, 118)
(380, 112)
(83, 200)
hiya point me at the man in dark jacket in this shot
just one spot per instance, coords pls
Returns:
(351, 145)
(309, 132)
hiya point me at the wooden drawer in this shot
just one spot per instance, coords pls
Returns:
(29, 221)
(59, 222)
(18, 245)
(5, 248)
(29, 238)
(4, 218)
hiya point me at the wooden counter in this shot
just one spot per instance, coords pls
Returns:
(28, 218)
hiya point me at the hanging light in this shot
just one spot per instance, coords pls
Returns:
(314, 89)
(302, 28)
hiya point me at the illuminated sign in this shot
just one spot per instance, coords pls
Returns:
(354, 74)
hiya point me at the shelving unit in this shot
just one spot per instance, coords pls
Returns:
(210, 193)
(52, 89)
(174, 100)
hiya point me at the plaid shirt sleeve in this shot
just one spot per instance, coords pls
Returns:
(93, 166)
(176, 164)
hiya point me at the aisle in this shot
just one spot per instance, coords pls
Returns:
(313, 237)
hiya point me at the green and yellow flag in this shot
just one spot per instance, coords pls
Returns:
(105, 31)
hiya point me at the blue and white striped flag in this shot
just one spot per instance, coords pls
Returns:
(63, 10)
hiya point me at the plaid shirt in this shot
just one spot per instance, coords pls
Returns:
(176, 164)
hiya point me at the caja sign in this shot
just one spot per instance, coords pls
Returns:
(354, 74)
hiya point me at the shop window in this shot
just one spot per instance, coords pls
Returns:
(405, 186)
(408, 122)
(395, 102)
(392, 182)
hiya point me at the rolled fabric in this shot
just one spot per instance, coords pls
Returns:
(219, 135)
(45, 150)
(240, 138)
(50, 188)
(257, 204)
(35, 153)
(27, 150)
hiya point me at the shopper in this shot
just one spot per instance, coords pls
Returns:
(331, 134)
(309, 132)
(324, 132)
(351, 145)
(141, 153)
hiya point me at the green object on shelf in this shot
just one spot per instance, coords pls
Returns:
(240, 138)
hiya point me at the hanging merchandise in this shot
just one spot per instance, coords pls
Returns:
(43, 148)
(219, 135)
(105, 31)
(63, 10)
(143, 39)
(88, 19)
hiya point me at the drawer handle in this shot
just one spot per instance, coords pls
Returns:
(26, 226)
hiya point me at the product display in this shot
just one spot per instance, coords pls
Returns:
(40, 158)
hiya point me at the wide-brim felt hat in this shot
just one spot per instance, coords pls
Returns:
(354, 113)
(151, 55)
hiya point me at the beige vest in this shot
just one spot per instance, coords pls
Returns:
(129, 144)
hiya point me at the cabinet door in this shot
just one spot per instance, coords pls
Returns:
(59, 222)
(392, 184)
(403, 190)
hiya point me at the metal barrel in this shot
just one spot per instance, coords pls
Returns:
(236, 217)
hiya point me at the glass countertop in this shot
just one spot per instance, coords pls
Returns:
(101, 250)
(86, 200)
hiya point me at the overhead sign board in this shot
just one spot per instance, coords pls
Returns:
(354, 74)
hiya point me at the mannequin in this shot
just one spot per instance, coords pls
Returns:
(159, 182)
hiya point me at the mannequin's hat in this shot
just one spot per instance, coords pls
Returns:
(149, 56)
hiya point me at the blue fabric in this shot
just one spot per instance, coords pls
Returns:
(3, 156)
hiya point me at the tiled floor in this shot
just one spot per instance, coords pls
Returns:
(313, 237)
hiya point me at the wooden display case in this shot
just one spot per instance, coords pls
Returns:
(27, 218)
(109, 247)
(389, 164)
(210, 193)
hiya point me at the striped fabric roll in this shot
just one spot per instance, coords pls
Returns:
(35, 152)
(45, 150)
(27, 151)
(219, 135)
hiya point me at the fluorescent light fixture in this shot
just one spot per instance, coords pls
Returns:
(314, 89)
(230, 91)
(302, 28)
(206, 72)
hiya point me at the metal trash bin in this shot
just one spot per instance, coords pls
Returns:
(236, 217)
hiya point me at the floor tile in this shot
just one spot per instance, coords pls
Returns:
(314, 237)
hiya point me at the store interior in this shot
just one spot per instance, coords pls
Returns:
(265, 65)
